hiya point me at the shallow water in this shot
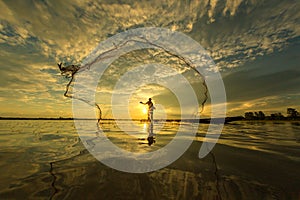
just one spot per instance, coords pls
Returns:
(252, 160)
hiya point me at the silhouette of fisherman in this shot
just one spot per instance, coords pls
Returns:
(150, 109)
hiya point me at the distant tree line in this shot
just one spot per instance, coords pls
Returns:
(291, 114)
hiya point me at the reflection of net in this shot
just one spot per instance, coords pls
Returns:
(160, 52)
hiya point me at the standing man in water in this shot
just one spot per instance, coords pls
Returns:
(150, 109)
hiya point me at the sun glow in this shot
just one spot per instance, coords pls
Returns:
(144, 110)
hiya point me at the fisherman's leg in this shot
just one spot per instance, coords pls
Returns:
(151, 116)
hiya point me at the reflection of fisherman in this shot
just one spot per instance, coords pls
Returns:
(151, 135)
(150, 109)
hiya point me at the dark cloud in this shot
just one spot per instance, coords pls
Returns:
(277, 74)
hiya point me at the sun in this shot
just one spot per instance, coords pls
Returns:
(145, 110)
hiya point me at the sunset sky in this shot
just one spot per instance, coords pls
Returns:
(255, 45)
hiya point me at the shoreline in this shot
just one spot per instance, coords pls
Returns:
(205, 120)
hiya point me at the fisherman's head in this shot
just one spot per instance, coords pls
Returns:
(150, 99)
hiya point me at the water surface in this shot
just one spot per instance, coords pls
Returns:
(252, 160)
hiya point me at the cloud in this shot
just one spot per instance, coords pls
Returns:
(235, 33)
(70, 30)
